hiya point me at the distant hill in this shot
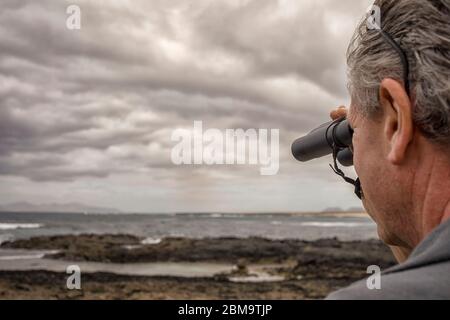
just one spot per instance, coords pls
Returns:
(339, 209)
(55, 207)
(356, 209)
(333, 209)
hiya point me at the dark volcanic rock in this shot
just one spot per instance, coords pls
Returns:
(311, 269)
(111, 248)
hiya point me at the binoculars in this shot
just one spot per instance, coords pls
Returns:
(330, 137)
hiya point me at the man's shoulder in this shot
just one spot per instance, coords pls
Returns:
(425, 275)
(426, 282)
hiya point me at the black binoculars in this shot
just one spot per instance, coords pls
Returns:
(333, 136)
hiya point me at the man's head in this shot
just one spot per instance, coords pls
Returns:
(398, 138)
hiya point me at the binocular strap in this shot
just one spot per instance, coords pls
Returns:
(356, 183)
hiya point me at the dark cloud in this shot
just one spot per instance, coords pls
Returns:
(101, 102)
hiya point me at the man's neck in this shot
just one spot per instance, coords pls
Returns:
(446, 212)
(433, 208)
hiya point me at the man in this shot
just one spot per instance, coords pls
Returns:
(400, 115)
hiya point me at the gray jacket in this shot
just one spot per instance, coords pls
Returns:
(424, 275)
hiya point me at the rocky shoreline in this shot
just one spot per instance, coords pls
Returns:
(305, 269)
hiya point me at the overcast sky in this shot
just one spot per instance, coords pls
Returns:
(87, 115)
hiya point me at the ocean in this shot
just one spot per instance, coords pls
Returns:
(199, 225)
(154, 227)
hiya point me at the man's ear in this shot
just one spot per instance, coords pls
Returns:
(397, 119)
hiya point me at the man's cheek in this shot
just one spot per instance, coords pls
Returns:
(357, 156)
(362, 154)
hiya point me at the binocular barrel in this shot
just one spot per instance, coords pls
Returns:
(319, 142)
(345, 157)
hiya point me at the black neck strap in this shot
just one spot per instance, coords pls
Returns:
(356, 183)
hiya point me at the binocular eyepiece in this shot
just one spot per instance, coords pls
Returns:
(323, 140)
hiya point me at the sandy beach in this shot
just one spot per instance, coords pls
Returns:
(239, 268)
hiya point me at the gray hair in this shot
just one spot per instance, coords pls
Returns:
(422, 29)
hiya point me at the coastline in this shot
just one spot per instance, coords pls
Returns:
(262, 268)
